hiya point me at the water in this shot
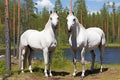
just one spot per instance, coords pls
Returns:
(111, 55)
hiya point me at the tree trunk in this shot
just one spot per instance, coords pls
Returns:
(14, 37)
(18, 30)
(7, 36)
(0, 17)
(70, 6)
(107, 28)
(113, 28)
(27, 16)
(119, 26)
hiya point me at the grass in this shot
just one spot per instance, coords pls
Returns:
(2, 67)
(63, 70)
(113, 45)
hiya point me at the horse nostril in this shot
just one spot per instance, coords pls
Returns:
(69, 30)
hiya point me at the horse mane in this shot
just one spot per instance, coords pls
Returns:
(78, 24)
(47, 24)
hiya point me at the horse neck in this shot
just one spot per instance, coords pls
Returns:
(76, 31)
(81, 28)
(48, 27)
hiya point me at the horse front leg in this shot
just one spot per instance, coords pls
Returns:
(49, 65)
(83, 62)
(45, 55)
(74, 62)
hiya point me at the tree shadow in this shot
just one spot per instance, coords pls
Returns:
(88, 72)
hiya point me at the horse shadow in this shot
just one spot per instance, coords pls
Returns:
(55, 73)
(60, 73)
(88, 72)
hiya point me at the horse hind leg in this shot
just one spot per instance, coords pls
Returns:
(93, 60)
(30, 51)
(101, 48)
(22, 60)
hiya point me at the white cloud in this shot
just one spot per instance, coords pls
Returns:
(95, 12)
(44, 3)
(109, 3)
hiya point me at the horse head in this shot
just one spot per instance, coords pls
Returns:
(54, 19)
(71, 22)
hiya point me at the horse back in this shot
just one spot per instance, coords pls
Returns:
(95, 37)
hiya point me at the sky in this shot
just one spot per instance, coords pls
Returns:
(92, 5)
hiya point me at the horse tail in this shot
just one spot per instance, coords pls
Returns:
(103, 39)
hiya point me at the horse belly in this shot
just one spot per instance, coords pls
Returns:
(35, 42)
(94, 42)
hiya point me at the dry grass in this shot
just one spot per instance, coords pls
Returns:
(110, 72)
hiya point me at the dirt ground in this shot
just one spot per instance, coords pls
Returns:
(110, 72)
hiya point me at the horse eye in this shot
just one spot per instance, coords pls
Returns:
(74, 20)
(58, 18)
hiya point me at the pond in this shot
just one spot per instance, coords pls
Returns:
(111, 55)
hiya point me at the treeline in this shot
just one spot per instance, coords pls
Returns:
(108, 18)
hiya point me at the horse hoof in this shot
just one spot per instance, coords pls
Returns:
(101, 70)
(74, 74)
(46, 75)
(82, 77)
(51, 75)
(31, 72)
(22, 71)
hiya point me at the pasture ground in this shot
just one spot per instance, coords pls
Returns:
(110, 72)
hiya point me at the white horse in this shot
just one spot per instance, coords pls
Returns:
(44, 40)
(83, 39)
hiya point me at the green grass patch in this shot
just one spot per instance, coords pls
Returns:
(113, 45)
(2, 67)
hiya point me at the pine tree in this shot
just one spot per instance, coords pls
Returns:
(14, 28)
(7, 36)
(104, 13)
(80, 10)
(58, 5)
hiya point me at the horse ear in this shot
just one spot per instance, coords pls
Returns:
(50, 12)
(73, 13)
(57, 12)
(67, 12)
